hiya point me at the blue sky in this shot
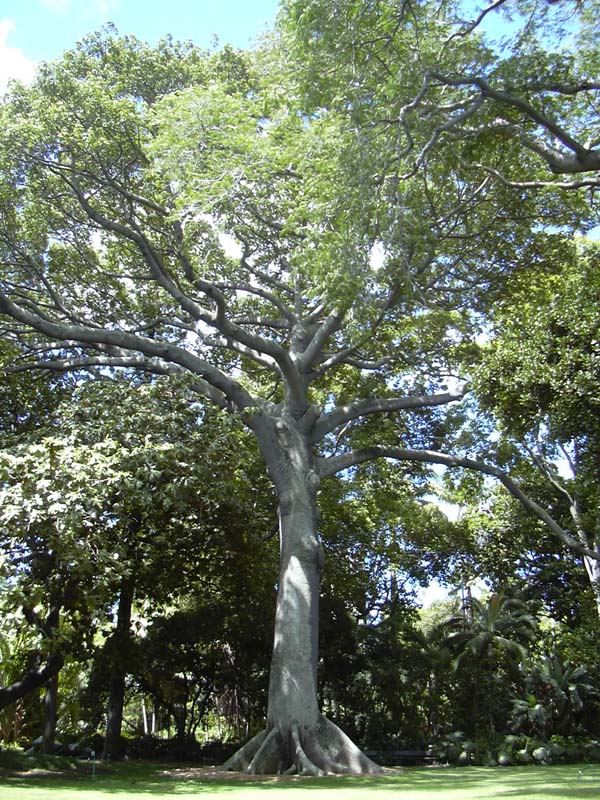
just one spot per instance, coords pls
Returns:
(38, 30)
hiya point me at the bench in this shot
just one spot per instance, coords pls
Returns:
(401, 758)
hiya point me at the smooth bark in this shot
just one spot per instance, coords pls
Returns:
(298, 738)
(592, 568)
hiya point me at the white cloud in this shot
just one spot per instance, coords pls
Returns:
(13, 62)
(104, 8)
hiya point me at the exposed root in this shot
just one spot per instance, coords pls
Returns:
(268, 758)
(320, 750)
(301, 763)
(240, 760)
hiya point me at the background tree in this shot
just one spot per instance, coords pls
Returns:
(119, 505)
(490, 634)
(545, 338)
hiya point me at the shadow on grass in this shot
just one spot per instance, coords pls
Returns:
(140, 779)
(504, 782)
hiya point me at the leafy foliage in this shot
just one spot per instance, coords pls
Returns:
(312, 238)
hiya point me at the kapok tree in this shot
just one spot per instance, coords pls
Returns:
(178, 214)
(525, 114)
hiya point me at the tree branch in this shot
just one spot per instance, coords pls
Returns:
(470, 26)
(588, 183)
(334, 464)
(219, 320)
(31, 680)
(581, 159)
(154, 366)
(169, 353)
(323, 331)
(362, 408)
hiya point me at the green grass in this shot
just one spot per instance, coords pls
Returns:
(61, 779)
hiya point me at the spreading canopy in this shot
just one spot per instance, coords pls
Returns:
(318, 262)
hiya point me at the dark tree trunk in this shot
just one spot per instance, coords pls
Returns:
(113, 742)
(50, 715)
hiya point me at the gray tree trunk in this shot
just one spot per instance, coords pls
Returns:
(298, 738)
(592, 568)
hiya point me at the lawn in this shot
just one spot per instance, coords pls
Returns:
(61, 780)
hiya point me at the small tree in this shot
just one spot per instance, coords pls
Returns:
(492, 632)
(555, 699)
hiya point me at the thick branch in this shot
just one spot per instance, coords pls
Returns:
(33, 679)
(588, 183)
(330, 466)
(549, 471)
(315, 347)
(581, 158)
(168, 353)
(259, 292)
(571, 88)
(154, 366)
(516, 102)
(362, 408)
(232, 345)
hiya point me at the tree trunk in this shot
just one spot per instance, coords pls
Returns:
(50, 715)
(298, 738)
(145, 717)
(592, 568)
(113, 743)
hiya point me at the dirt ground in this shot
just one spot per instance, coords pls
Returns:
(208, 773)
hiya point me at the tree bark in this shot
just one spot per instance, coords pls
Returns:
(592, 567)
(298, 738)
(50, 715)
(113, 743)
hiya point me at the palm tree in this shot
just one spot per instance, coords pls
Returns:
(498, 625)
(560, 687)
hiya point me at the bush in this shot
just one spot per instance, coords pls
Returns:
(454, 748)
(542, 754)
(151, 748)
(217, 752)
(154, 749)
